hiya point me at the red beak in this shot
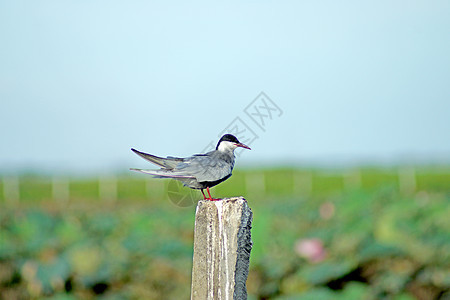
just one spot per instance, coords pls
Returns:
(243, 146)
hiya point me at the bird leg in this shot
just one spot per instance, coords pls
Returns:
(204, 197)
(210, 198)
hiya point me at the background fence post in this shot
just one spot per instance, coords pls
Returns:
(352, 179)
(407, 180)
(222, 245)
(11, 189)
(303, 183)
(107, 188)
(60, 189)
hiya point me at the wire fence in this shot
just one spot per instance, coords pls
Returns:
(252, 184)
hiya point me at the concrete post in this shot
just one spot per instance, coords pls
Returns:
(222, 245)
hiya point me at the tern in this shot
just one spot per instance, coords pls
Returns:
(199, 171)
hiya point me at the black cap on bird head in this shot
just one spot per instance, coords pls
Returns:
(231, 138)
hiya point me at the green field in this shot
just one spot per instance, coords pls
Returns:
(385, 234)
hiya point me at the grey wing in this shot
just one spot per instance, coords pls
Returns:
(169, 163)
(205, 168)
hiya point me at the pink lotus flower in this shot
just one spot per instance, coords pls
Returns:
(310, 249)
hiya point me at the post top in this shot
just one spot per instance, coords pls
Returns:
(232, 199)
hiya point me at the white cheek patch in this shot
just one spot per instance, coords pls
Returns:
(226, 146)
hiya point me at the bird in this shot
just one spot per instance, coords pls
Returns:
(199, 171)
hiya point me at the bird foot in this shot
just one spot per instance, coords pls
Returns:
(213, 199)
(209, 194)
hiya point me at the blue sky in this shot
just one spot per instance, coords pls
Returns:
(83, 81)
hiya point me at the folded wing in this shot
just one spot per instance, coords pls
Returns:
(205, 168)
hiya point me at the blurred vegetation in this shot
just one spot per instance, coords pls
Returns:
(385, 235)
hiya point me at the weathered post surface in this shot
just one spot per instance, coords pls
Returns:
(222, 245)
